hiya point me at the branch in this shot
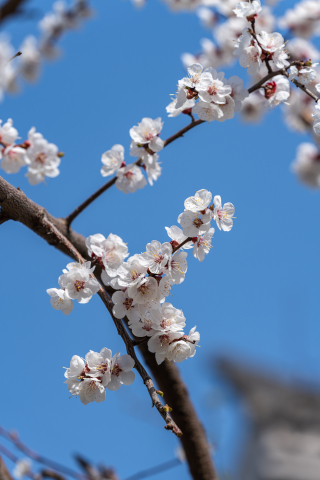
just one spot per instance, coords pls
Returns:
(17, 206)
(170, 424)
(14, 439)
(10, 7)
(4, 472)
(163, 467)
(69, 219)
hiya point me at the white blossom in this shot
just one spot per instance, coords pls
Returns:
(29, 62)
(304, 75)
(193, 223)
(211, 87)
(156, 256)
(145, 292)
(303, 20)
(203, 245)
(144, 326)
(177, 237)
(22, 468)
(185, 348)
(208, 111)
(110, 252)
(168, 319)
(121, 371)
(307, 165)
(78, 284)
(165, 286)
(112, 160)
(43, 158)
(250, 58)
(207, 17)
(316, 120)
(146, 133)
(123, 307)
(60, 301)
(302, 50)
(160, 342)
(152, 167)
(223, 215)
(177, 267)
(238, 92)
(185, 108)
(99, 365)
(8, 134)
(248, 9)
(13, 158)
(131, 272)
(252, 108)
(276, 91)
(130, 179)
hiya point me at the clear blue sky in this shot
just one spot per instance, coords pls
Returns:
(255, 296)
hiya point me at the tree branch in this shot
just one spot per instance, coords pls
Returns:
(4, 472)
(17, 206)
(10, 7)
(170, 424)
(69, 219)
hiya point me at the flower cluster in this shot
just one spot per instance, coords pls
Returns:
(52, 26)
(303, 20)
(89, 378)
(143, 281)
(218, 97)
(145, 144)
(76, 284)
(41, 157)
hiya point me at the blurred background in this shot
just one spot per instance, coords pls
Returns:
(254, 299)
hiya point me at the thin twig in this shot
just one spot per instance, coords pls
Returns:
(15, 56)
(14, 439)
(69, 219)
(155, 470)
(170, 424)
(11, 7)
(181, 244)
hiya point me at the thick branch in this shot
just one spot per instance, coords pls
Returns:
(10, 7)
(17, 206)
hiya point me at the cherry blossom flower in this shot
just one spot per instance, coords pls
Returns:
(22, 468)
(223, 215)
(152, 167)
(130, 179)
(207, 111)
(8, 134)
(146, 133)
(29, 64)
(60, 301)
(193, 223)
(78, 284)
(185, 107)
(211, 87)
(307, 165)
(160, 342)
(227, 109)
(203, 245)
(121, 370)
(90, 390)
(207, 17)
(123, 307)
(270, 42)
(248, 9)
(145, 292)
(165, 286)
(238, 93)
(252, 108)
(131, 272)
(112, 160)
(199, 202)
(304, 75)
(43, 156)
(177, 267)
(168, 319)
(143, 327)
(156, 256)
(177, 237)
(316, 120)
(185, 348)
(250, 58)
(109, 252)
(13, 158)
(76, 368)
(99, 365)
(276, 91)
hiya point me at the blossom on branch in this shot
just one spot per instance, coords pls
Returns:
(60, 300)
(248, 9)
(130, 179)
(112, 160)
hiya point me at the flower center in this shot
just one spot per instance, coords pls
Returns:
(158, 258)
(197, 222)
(79, 285)
(129, 175)
(128, 303)
(270, 89)
(116, 370)
(212, 90)
(143, 289)
(41, 157)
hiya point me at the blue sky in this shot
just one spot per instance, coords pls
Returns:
(255, 296)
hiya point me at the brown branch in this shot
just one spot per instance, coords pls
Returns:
(69, 219)
(10, 7)
(163, 467)
(17, 206)
(45, 473)
(4, 472)
(15, 440)
(170, 424)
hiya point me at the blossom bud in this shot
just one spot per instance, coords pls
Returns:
(159, 393)
(166, 408)
(60, 154)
